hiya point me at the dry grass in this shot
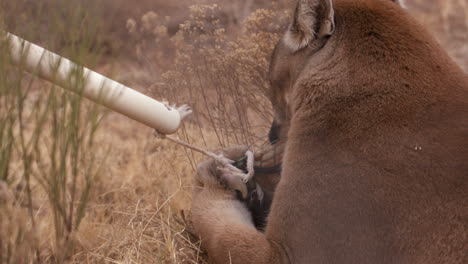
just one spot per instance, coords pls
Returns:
(206, 56)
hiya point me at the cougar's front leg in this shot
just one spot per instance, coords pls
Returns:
(223, 223)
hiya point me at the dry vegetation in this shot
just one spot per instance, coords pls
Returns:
(73, 192)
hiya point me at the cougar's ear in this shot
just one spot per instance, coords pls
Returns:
(313, 19)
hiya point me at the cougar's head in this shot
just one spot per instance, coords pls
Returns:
(312, 27)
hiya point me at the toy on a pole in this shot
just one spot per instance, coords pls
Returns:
(164, 119)
(96, 87)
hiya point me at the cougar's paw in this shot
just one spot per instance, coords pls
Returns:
(215, 175)
(215, 192)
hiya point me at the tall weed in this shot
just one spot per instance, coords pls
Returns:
(47, 144)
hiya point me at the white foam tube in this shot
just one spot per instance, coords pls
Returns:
(98, 88)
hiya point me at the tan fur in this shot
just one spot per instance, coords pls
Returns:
(303, 31)
(376, 162)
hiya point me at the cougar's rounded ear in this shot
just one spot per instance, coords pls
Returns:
(313, 19)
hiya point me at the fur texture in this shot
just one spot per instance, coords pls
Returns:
(375, 168)
(312, 20)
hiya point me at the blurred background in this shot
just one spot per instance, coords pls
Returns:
(80, 184)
